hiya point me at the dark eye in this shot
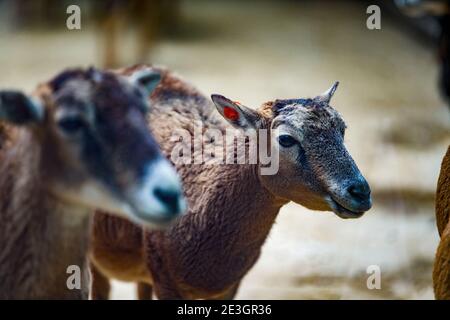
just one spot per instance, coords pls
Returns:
(71, 125)
(286, 141)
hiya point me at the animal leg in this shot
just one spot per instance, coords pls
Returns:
(100, 286)
(441, 272)
(443, 195)
(164, 292)
(149, 22)
(144, 291)
(229, 294)
(111, 27)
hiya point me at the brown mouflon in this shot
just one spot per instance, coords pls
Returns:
(231, 208)
(441, 272)
(79, 142)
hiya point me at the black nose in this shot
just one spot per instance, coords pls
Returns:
(359, 190)
(169, 198)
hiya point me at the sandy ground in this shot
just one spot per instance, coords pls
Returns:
(398, 130)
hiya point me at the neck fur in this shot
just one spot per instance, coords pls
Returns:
(40, 235)
(230, 218)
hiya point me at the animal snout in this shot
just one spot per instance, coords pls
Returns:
(159, 198)
(359, 192)
(166, 190)
(170, 198)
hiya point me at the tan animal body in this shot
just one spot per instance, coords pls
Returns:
(206, 253)
(441, 272)
(80, 142)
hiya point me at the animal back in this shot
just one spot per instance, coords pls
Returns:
(443, 194)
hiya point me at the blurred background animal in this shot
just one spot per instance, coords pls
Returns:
(149, 20)
(440, 11)
(116, 20)
(441, 272)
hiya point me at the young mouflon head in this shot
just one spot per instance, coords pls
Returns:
(96, 148)
(315, 169)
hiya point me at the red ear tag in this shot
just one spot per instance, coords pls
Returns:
(230, 113)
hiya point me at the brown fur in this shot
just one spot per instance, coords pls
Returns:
(45, 213)
(41, 235)
(206, 253)
(441, 272)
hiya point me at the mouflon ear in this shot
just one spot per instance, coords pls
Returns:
(18, 108)
(235, 113)
(147, 79)
(327, 95)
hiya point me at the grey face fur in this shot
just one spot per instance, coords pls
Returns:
(315, 168)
